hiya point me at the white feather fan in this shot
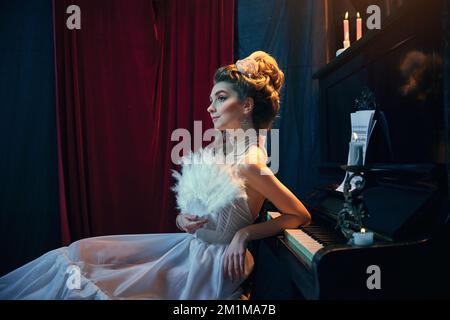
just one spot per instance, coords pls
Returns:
(206, 183)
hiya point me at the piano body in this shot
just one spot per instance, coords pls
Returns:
(316, 261)
(406, 189)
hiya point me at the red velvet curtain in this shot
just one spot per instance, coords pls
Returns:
(134, 72)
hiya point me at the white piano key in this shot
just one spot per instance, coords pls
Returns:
(304, 240)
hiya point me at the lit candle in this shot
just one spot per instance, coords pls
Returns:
(358, 27)
(346, 27)
(363, 238)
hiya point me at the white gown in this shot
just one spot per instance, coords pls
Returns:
(151, 266)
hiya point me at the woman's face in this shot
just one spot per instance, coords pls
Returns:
(226, 109)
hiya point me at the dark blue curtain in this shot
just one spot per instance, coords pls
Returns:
(29, 222)
(292, 31)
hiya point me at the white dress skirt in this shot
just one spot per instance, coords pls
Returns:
(151, 266)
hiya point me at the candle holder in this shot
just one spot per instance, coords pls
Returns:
(354, 211)
(340, 51)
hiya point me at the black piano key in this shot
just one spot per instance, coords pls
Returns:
(323, 236)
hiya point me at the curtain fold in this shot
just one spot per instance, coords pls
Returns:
(133, 73)
(29, 222)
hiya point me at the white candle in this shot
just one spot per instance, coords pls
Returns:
(356, 153)
(363, 238)
(346, 27)
(358, 27)
(346, 42)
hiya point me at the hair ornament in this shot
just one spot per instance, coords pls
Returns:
(248, 67)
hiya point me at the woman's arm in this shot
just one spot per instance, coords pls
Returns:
(293, 212)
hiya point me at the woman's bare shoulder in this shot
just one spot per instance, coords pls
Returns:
(255, 155)
(254, 164)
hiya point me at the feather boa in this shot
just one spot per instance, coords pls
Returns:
(206, 184)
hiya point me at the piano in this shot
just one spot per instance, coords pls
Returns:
(407, 181)
(316, 261)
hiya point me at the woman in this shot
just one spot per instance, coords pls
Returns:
(218, 201)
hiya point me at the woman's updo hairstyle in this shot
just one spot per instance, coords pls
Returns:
(257, 76)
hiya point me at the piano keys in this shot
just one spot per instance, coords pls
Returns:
(305, 245)
(308, 240)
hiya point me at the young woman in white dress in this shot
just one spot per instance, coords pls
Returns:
(218, 204)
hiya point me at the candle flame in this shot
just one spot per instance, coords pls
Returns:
(346, 15)
(358, 15)
(363, 230)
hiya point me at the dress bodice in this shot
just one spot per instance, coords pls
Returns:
(210, 185)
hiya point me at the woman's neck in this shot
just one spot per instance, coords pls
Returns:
(240, 140)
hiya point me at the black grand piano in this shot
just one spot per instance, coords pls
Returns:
(406, 66)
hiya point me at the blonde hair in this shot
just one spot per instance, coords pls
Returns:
(264, 87)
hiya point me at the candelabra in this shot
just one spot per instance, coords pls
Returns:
(354, 211)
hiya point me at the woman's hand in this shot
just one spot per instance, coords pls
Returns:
(234, 260)
(190, 223)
